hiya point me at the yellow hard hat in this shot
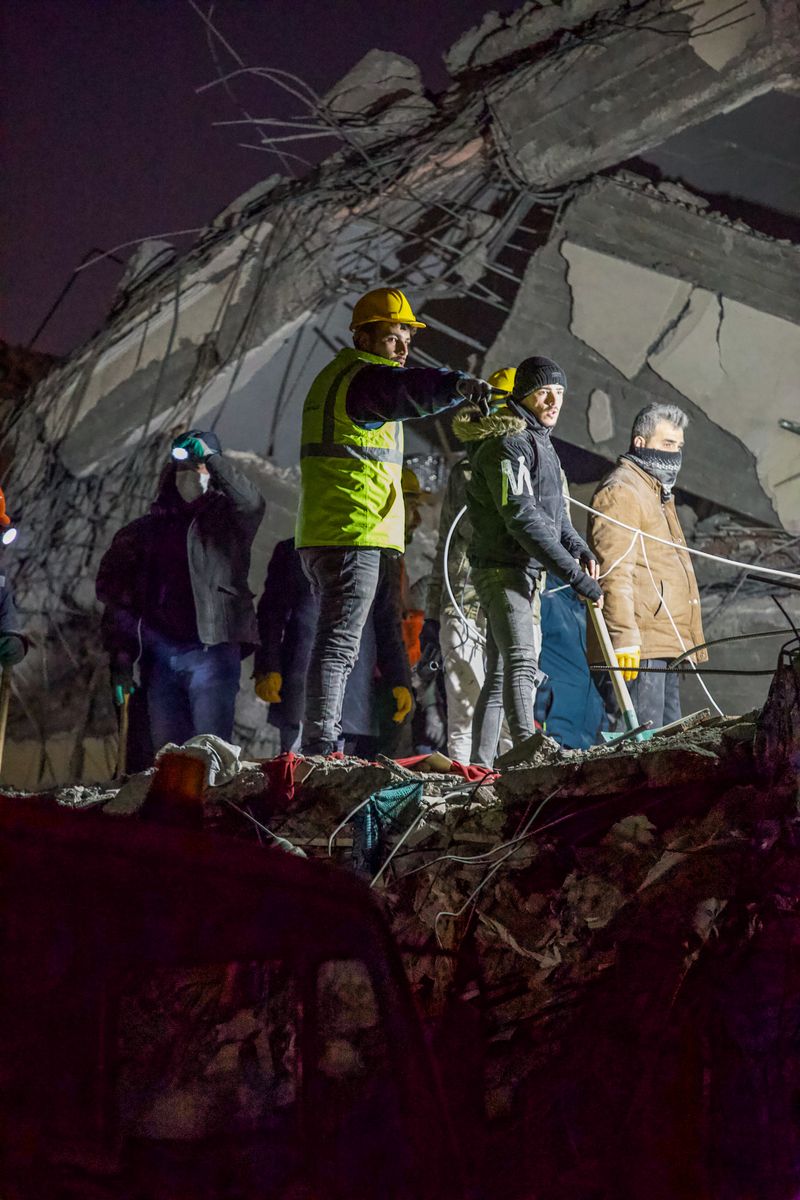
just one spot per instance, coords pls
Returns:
(410, 483)
(503, 379)
(384, 304)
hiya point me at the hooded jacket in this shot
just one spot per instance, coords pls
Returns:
(139, 582)
(648, 584)
(515, 498)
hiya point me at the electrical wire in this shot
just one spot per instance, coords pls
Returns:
(495, 866)
(637, 534)
(679, 546)
(676, 631)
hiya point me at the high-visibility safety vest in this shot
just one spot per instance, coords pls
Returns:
(350, 477)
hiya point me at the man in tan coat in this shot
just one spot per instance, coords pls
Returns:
(652, 606)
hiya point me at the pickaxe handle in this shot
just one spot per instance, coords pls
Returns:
(122, 752)
(610, 655)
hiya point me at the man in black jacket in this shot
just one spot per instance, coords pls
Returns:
(174, 584)
(520, 529)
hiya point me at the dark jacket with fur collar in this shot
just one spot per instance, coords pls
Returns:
(515, 499)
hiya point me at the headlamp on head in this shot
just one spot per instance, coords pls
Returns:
(8, 536)
(180, 453)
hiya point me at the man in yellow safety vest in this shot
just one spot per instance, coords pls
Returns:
(351, 497)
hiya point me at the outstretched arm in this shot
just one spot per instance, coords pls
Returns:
(377, 393)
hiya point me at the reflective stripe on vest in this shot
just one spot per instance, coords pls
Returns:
(351, 492)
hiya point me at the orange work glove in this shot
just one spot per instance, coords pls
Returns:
(268, 687)
(628, 658)
(403, 702)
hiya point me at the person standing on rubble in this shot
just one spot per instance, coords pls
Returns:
(13, 643)
(520, 529)
(351, 501)
(177, 603)
(287, 617)
(652, 606)
(459, 636)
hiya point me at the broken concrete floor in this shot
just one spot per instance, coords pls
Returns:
(598, 943)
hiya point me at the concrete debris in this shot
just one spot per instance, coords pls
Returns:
(380, 97)
(21, 369)
(719, 41)
(251, 199)
(149, 257)
(498, 37)
(600, 416)
(588, 912)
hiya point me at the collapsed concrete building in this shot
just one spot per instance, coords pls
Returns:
(603, 944)
(500, 206)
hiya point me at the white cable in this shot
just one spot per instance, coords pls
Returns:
(622, 557)
(663, 600)
(399, 843)
(342, 824)
(446, 574)
(495, 866)
(733, 562)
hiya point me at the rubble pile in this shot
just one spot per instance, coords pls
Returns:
(599, 942)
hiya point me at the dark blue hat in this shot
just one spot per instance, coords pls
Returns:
(537, 372)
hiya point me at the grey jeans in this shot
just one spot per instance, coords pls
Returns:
(345, 579)
(513, 642)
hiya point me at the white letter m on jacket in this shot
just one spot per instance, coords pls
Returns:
(521, 485)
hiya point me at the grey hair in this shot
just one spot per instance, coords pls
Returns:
(644, 423)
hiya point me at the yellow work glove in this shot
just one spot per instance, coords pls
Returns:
(628, 658)
(268, 687)
(403, 702)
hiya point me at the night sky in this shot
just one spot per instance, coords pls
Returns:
(106, 141)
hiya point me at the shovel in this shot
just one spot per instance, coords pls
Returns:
(122, 751)
(633, 728)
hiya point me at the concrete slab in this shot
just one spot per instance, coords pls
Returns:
(620, 309)
(741, 367)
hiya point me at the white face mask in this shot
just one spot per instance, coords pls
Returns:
(191, 485)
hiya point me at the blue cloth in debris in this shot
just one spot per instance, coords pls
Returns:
(384, 812)
(569, 705)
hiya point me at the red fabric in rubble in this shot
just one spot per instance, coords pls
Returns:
(469, 771)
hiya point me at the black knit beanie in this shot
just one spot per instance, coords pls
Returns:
(537, 372)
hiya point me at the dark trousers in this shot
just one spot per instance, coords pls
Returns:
(513, 642)
(655, 698)
(345, 579)
(191, 689)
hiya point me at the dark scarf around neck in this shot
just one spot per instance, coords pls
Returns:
(663, 465)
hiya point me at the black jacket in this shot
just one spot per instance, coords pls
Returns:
(515, 498)
(378, 393)
(133, 580)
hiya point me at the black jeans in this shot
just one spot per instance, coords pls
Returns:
(513, 642)
(655, 698)
(345, 579)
